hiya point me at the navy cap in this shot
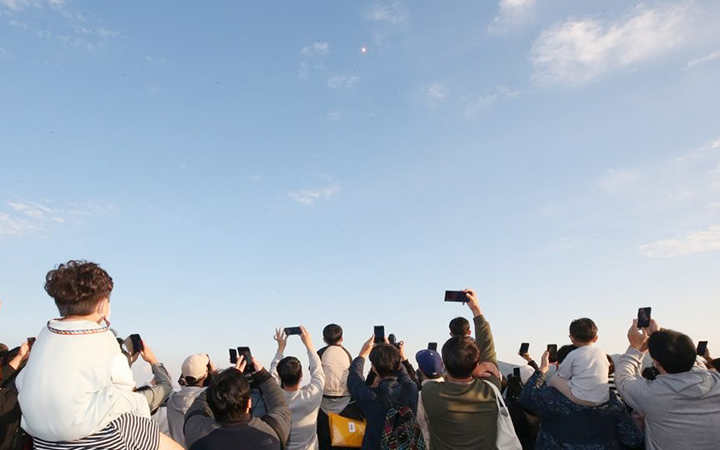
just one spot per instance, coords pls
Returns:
(430, 362)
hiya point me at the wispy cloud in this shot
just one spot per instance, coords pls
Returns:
(5, 55)
(617, 180)
(309, 197)
(24, 217)
(699, 152)
(318, 48)
(392, 12)
(692, 243)
(705, 59)
(437, 91)
(343, 81)
(512, 13)
(577, 51)
(482, 102)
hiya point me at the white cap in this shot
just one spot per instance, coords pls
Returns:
(195, 366)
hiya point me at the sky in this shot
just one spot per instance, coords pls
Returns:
(241, 166)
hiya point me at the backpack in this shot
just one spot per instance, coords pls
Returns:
(401, 430)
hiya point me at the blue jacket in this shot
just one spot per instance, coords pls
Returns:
(401, 391)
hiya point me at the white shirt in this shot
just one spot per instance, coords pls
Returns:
(304, 404)
(586, 370)
(75, 384)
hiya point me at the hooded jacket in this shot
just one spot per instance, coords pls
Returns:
(681, 410)
(177, 405)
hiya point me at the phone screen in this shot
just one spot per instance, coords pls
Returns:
(552, 350)
(292, 330)
(249, 366)
(516, 371)
(524, 348)
(432, 346)
(136, 343)
(456, 296)
(233, 356)
(379, 334)
(644, 317)
(702, 348)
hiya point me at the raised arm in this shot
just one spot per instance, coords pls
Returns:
(317, 374)
(356, 385)
(278, 415)
(281, 340)
(157, 394)
(632, 386)
(483, 334)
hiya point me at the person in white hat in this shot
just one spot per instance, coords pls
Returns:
(196, 371)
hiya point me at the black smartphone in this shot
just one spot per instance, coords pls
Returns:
(524, 348)
(233, 356)
(379, 334)
(516, 372)
(552, 350)
(456, 296)
(136, 343)
(644, 317)
(432, 346)
(292, 330)
(249, 366)
(702, 348)
(31, 341)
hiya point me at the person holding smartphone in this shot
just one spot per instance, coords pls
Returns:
(304, 401)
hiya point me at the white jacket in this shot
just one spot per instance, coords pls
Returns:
(75, 384)
(336, 365)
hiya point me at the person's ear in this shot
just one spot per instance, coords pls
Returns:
(249, 406)
(595, 339)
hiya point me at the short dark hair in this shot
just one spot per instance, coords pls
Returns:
(289, 370)
(611, 367)
(228, 395)
(460, 356)
(386, 359)
(332, 334)
(564, 351)
(78, 287)
(459, 326)
(674, 351)
(583, 330)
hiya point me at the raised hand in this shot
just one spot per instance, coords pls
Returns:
(281, 339)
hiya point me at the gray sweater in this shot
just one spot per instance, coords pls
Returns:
(682, 411)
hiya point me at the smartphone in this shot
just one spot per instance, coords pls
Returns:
(249, 366)
(379, 334)
(702, 348)
(516, 372)
(136, 343)
(552, 350)
(432, 346)
(31, 341)
(292, 330)
(524, 348)
(392, 339)
(233, 356)
(644, 317)
(456, 296)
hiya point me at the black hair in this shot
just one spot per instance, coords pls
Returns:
(563, 352)
(228, 395)
(386, 359)
(289, 370)
(649, 373)
(583, 330)
(459, 326)
(674, 351)
(332, 334)
(460, 356)
(611, 367)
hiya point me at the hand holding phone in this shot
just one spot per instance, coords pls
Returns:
(702, 348)
(292, 330)
(524, 348)
(137, 345)
(233, 356)
(245, 353)
(456, 296)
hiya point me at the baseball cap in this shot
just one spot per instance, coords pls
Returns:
(195, 366)
(430, 362)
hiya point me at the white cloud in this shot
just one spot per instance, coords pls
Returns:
(615, 181)
(343, 81)
(335, 114)
(15, 5)
(309, 197)
(4, 54)
(16, 226)
(577, 51)
(484, 101)
(704, 59)
(388, 12)
(27, 217)
(695, 242)
(436, 91)
(512, 13)
(318, 48)
(697, 153)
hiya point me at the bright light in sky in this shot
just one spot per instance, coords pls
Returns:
(234, 177)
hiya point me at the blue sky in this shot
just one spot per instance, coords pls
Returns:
(237, 167)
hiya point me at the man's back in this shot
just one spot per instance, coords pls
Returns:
(461, 415)
(251, 435)
(177, 405)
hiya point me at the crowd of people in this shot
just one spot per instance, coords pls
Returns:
(72, 388)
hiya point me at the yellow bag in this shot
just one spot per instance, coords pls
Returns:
(346, 432)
